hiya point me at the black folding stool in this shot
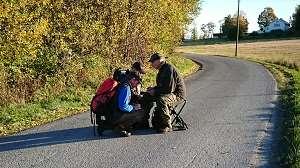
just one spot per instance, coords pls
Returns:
(178, 121)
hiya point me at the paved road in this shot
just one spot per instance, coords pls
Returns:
(231, 103)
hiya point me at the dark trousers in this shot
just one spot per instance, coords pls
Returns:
(125, 121)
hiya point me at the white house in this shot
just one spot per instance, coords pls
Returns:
(278, 24)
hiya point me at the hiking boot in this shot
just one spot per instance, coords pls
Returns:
(125, 134)
(164, 130)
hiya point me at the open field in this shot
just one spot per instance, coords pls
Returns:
(273, 51)
(242, 40)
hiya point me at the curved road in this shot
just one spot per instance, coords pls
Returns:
(231, 104)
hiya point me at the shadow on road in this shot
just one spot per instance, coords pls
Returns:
(270, 144)
(17, 142)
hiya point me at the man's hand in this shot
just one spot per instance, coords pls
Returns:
(137, 107)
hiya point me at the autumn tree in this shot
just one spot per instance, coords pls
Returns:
(50, 46)
(229, 27)
(296, 19)
(266, 17)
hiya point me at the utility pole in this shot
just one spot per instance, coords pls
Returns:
(238, 29)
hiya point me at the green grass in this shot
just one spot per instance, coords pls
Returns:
(18, 117)
(293, 121)
(14, 118)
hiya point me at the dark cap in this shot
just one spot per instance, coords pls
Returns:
(139, 67)
(154, 57)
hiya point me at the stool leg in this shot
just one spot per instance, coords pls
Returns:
(174, 119)
(178, 119)
(184, 124)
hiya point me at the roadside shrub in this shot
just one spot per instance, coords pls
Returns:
(51, 46)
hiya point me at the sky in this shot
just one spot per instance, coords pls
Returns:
(216, 10)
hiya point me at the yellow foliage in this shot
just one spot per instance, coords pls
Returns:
(48, 40)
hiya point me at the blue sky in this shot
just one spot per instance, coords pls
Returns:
(216, 10)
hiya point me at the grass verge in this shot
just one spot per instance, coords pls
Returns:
(291, 97)
(18, 117)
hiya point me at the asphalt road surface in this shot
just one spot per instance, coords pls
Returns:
(230, 108)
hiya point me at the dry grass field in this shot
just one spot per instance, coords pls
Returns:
(274, 51)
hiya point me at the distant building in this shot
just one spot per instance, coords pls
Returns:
(277, 25)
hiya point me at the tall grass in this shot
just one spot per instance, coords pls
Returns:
(293, 120)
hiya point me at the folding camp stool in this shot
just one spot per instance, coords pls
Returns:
(178, 123)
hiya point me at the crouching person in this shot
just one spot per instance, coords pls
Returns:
(126, 114)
